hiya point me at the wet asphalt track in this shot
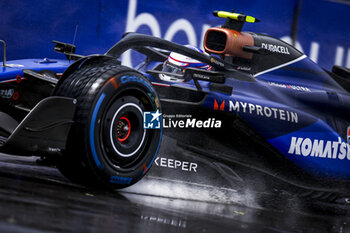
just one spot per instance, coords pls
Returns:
(34, 198)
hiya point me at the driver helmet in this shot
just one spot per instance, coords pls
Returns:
(177, 63)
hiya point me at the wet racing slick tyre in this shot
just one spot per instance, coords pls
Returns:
(108, 146)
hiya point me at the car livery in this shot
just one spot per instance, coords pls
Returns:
(264, 108)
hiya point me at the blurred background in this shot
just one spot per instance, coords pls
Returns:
(320, 28)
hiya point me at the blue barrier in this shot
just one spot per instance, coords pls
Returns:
(322, 30)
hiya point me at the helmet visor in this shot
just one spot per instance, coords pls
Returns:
(171, 68)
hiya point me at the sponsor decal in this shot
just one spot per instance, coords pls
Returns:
(213, 60)
(174, 221)
(222, 105)
(176, 164)
(120, 180)
(259, 110)
(244, 68)
(275, 48)
(293, 87)
(54, 150)
(201, 76)
(319, 148)
(6, 93)
(152, 120)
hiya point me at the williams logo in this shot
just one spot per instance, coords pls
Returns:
(152, 120)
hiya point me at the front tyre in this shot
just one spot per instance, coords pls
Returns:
(108, 146)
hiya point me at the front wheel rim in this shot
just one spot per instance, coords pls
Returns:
(123, 141)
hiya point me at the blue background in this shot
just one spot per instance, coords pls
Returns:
(29, 26)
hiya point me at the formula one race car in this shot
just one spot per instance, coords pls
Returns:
(255, 103)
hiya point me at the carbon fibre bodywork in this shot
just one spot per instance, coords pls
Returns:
(289, 121)
(278, 115)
